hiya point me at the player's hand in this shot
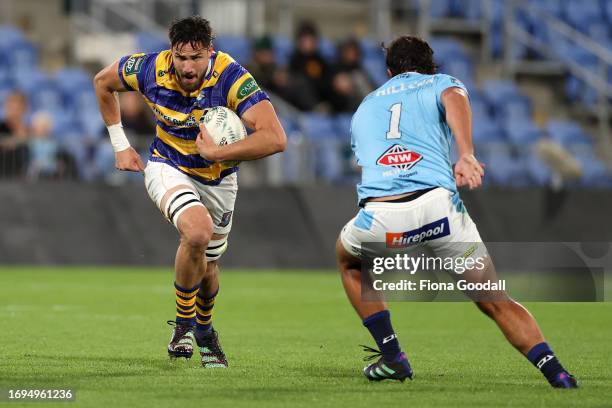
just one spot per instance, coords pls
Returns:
(206, 146)
(128, 160)
(468, 172)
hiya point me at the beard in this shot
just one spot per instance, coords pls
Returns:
(190, 83)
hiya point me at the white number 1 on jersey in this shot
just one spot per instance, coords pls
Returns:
(394, 130)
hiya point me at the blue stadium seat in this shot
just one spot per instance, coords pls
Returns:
(522, 133)
(22, 55)
(91, 123)
(343, 126)
(151, 42)
(371, 48)
(327, 143)
(82, 100)
(480, 106)
(26, 79)
(471, 9)
(580, 14)
(515, 109)
(10, 34)
(327, 49)
(505, 169)
(539, 173)
(70, 80)
(440, 8)
(567, 132)
(283, 47)
(498, 93)
(318, 126)
(376, 69)
(237, 46)
(554, 7)
(487, 130)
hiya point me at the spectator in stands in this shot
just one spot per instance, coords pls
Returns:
(275, 79)
(138, 122)
(14, 136)
(43, 151)
(350, 83)
(307, 63)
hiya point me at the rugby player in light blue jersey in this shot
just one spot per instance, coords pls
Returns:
(401, 136)
(191, 179)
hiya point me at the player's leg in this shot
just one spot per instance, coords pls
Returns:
(516, 323)
(178, 200)
(220, 201)
(520, 329)
(195, 228)
(393, 363)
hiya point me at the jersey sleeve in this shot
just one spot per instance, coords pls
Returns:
(137, 70)
(442, 83)
(240, 89)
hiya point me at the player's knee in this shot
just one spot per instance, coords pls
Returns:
(196, 236)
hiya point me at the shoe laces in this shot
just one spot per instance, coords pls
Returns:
(375, 353)
(179, 329)
(212, 343)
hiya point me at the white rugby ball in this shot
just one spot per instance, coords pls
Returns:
(223, 125)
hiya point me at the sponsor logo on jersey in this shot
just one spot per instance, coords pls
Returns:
(399, 157)
(404, 87)
(133, 64)
(427, 232)
(248, 87)
(225, 219)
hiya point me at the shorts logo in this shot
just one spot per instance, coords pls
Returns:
(427, 232)
(225, 219)
(399, 157)
(133, 64)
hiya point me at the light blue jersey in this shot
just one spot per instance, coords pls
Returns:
(401, 139)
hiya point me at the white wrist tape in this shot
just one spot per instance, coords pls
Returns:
(117, 137)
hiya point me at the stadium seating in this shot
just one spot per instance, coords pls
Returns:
(503, 129)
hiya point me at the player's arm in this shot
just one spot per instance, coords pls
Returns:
(269, 137)
(468, 170)
(107, 83)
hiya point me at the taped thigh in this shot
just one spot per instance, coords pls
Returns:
(178, 202)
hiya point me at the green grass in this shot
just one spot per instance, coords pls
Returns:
(291, 339)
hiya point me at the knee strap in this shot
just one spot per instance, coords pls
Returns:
(178, 202)
(216, 248)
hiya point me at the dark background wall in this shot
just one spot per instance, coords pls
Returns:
(66, 223)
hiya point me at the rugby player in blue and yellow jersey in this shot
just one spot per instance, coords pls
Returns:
(188, 176)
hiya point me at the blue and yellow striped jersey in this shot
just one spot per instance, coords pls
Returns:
(178, 112)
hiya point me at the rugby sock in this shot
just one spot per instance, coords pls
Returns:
(204, 309)
(544, 359)
(185, 304)
(379, 325)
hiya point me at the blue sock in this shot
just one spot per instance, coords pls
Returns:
(379, 325)
(544, 359)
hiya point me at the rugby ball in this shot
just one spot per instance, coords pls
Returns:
(223, 125)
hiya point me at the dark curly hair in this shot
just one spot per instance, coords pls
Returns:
(193, 30)
(407, 53)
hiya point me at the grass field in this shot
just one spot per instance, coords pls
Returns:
(291, 339)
